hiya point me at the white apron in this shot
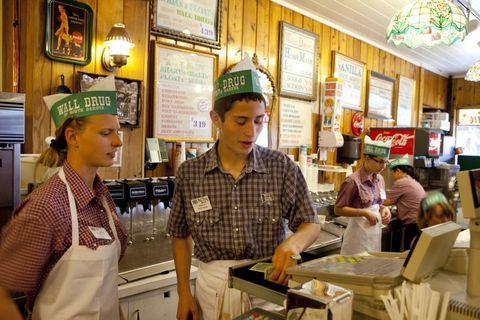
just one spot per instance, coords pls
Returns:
(83, 283)
(360, 236)
(219, 302)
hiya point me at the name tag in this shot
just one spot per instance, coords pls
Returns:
(201, 204)
(383, 195)
(100, 233)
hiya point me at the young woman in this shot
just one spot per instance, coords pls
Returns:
(361, 198)
(63, 245)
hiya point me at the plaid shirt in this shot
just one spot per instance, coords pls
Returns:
(246, 220)
(41, 231)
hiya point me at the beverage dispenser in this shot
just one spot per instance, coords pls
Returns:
(12, 134)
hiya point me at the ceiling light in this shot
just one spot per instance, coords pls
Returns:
(473, 74)
(427, 23)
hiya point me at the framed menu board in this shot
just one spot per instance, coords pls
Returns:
(183, 94)
(298, 62)
(380, 90)
(195, 21)
(352, 73)
(406, 92)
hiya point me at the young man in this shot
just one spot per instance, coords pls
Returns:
(360, 197)
(406, 193)
(233, 201)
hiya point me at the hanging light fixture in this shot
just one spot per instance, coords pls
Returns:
(473, 74)
(427, 23)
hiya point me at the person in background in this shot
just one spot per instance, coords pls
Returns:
(233, 201)
(434, 209)
(406, 193)
(361, 198)
(63, 244)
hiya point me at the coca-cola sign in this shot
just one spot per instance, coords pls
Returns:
(357, 123)
(402, 139)
(435, 144)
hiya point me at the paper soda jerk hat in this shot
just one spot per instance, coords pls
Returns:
(377, 148)
(244, 81)
(99, 99)
(403, 161)
(432, 199)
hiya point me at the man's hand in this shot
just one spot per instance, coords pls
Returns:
(187, 308)
(282, 260)
(386, 214)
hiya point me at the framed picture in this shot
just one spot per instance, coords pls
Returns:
(128, 96)
(380, 96)
(298, 62)
(182, 91)
(68, 31)
(198, 22)
(352, 72)
(406, 94)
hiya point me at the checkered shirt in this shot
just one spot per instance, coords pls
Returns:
(247, 218)
(41, 231)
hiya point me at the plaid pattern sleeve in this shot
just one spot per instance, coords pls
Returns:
(243, 218)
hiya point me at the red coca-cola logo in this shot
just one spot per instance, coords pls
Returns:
(398, 139)
(357, 123)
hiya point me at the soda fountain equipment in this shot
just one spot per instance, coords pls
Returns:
(157, 192)
(135, 193)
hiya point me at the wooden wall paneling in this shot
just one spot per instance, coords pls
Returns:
(234, 29)
(325, 51)
(249, 34)
(96, 49)
(262, 32)
(297, 19)
(222, 52)
(36, 63)
(342, 43)
(7, 46)
(287, 15)
(273, 58)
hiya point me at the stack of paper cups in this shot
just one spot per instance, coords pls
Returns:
(302, 160)
(314, 174)
(179, 156)
(308, 175)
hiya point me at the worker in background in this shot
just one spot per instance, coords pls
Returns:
(233, 201)
(434, 209)
(361, 198)
(406, 193)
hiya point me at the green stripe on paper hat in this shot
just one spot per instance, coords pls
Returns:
(432, 199)
(403, 161)
(100, 99)
(245, 81)
(377, 148)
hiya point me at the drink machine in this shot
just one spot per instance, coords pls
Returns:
(12, 134)
(423, 146)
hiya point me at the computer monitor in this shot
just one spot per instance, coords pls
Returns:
(469, 188)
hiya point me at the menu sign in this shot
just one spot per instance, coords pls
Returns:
(295, 123)
(352, 74)
(183, 95)
(298, 63)
(403, 141)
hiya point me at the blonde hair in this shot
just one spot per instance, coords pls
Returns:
(56, 154)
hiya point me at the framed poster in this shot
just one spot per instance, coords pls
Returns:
(298, 62)
(352, 73)
(406, 94)
(128, 96)
(68, 31)
(183, 94)
(380, 90)
(295, 123)
(195, 21)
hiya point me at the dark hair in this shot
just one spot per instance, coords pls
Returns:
(425, 215)
(223, 105)
(406, 169)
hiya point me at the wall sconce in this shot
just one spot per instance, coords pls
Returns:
(117, 47)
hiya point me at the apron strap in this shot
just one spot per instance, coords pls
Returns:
(73, 209)
(111, 223)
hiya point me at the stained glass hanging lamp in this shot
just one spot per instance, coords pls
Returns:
(473, 74)
(427, 23)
